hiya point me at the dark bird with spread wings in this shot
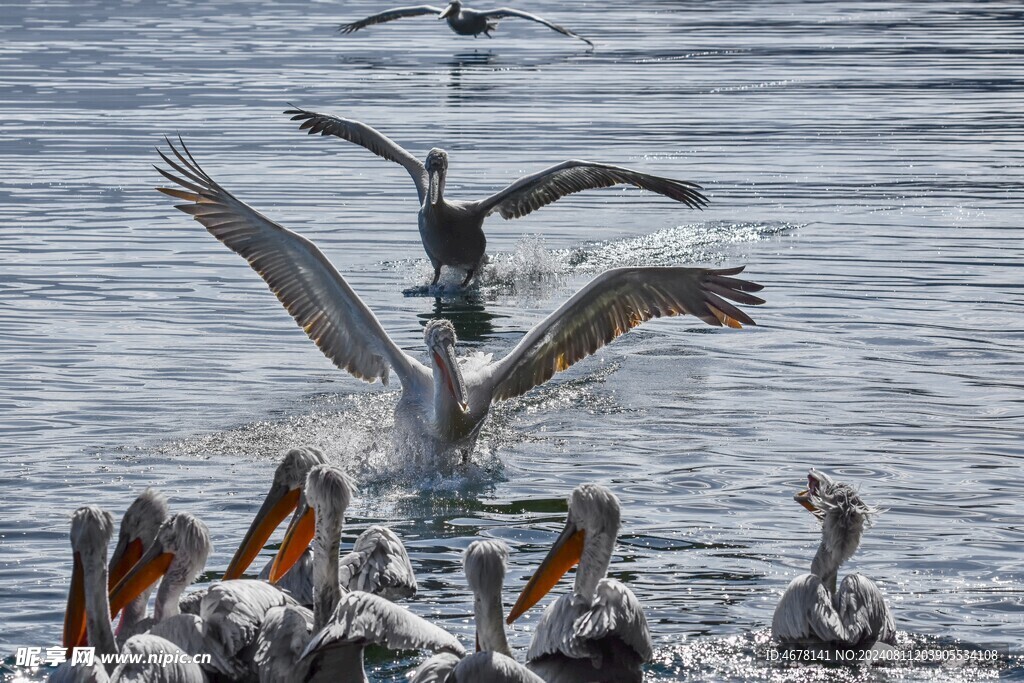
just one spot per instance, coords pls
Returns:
(444, 404)
(462, 20)
(451, 230)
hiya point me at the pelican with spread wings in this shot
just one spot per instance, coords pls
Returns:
(461, 19)
(444, 404)
(451, 230)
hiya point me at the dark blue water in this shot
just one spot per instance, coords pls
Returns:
(864, 159)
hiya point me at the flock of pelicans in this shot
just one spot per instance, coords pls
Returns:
(313, 611)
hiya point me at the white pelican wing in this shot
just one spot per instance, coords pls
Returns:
(616, 612)
(576, 631)
(364, 136)
(186, 631)
(390, 15)
(148, 645)
(806, 614)
(315, 294)
(281, 640)
(233, 614)
(438, 669)
(363, 619)
(505, 12)
(531, 192)
(863, 611)
(378, 564)
(610, 305)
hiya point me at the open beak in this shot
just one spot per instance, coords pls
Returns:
(804, 497)
(447, 11)
(74, 615)
(151, 566)
(296, 540)
(123, 560)
(279, 503)
(444, 356)
(562, 557)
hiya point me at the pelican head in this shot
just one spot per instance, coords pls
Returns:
(284, 497)
(588, 538)
(484, 563)
(439, 336)
(453, 8)
(328, 495)
(437, 170)
(91, 529)
(842, 513)
(178, 553)
(139, 526)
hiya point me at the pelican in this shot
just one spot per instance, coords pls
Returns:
(811, 611)
(230, 612)
(484, 562)
(598, 632)
(91, 531)
(443, 406)
(377, 564)
(462, 20)
(452, 231)
(343, 622)
(139, 526)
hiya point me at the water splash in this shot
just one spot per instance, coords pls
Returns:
(531, 268)
(754, 657)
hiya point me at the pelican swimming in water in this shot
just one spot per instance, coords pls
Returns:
(597, 632)
(344, 622)
(88, 611)
(812, 611)
(451, 230)
(378, 562)
(229, 615)
(484, 562)
(461, 19)
(443, 405)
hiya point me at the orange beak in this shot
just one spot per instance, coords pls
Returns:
(296, 540)
(804, 498)
(74, 615)
(562, 557)
(144, 574)
(278, 504)
(131, 555)
(444, 356)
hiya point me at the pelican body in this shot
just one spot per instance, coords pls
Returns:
(598, 632)
(451, 230)
(812, 612)
(462, 20)
(444, 402)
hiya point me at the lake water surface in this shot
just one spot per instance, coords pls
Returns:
(864, 160)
